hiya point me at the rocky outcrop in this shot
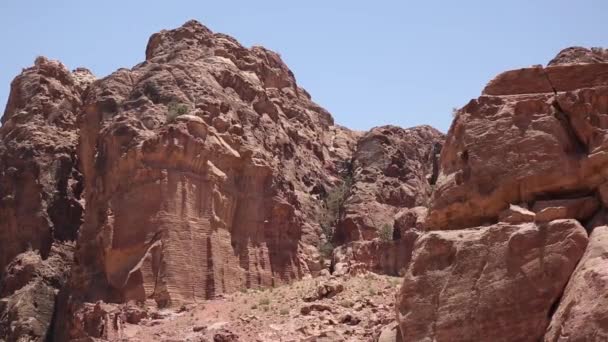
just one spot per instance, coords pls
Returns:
(535, 134)
(393, 168)
(40, 194)
(28, 292)
(205, 167)
(522, 167)
(582, 313)
(393, 172)
(579, 55)
(494, 283)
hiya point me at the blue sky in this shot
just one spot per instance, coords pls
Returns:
(368, 62)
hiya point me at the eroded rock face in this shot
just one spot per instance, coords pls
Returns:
(393, 168)
(535, 134)
(582, 313)
(40, 194)
(578, 55)
(203, 166)
(393, 171)
(28, 292)
(494, 283)
(40, 184)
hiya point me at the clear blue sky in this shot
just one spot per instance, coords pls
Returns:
(368, 62)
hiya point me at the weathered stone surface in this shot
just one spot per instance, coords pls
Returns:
(579, 55)
(390, 333)
(581, 208)
(205, 168)
(40, 184)
(40, 194)
(520, 145)
(385, 257)
(494, 283)
(515, 214)
(28, 290)
(582, 314)
(393, 168)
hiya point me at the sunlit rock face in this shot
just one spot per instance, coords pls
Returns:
(200, 165)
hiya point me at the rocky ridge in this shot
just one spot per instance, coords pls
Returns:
(145, 199)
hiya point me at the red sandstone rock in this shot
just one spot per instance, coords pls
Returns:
(393, 168)
(495, 283)
(204, 167)
(385, 257)
(40, 193)
(579, 55)
(581, 208)
(535, 133)
(582, 314)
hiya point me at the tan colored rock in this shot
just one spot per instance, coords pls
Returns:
(494, 283)
(390, 333)
(516, 215)
(582, 314)
(385, 257)
(581, 208)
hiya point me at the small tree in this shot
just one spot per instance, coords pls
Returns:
(386, 232)
(330, 213)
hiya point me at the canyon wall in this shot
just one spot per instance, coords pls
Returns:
(206, 170)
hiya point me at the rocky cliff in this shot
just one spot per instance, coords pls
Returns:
(206, 170)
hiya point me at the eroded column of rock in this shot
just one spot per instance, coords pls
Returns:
(203, 168)
(535, 134)
(494, 283)
(40, 194)
(393, 171)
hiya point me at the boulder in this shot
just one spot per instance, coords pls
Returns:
(492, 283)
(582, 314)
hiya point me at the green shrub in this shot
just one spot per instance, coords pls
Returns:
(264, 301)
(386, 233)
(326, 249)
(175, 109)
(332, 206)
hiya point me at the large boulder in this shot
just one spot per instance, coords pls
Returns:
(493, 283)
(582, 314)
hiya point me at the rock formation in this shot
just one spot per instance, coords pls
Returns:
(534, 134)
(206, 170)
(41, 207)
(522, 170)
(392, 175)
(495, 283)
(582, 313)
